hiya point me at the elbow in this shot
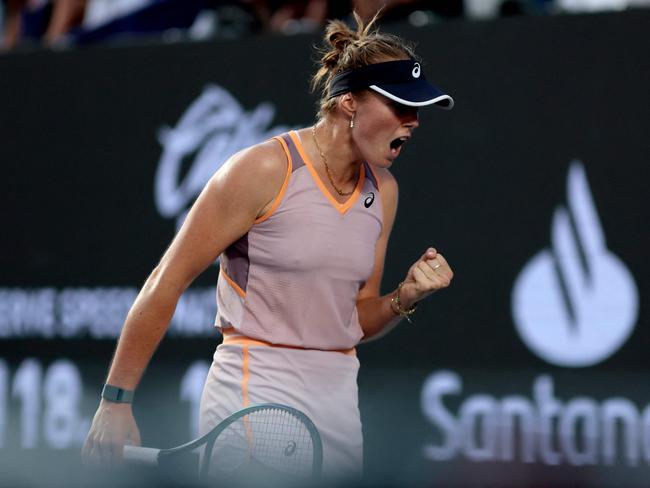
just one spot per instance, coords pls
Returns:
(163, 281)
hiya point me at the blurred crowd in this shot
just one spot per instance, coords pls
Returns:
(56, 23)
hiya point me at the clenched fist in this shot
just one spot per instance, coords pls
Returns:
(428, 274)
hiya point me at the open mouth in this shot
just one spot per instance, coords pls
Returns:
(397, 143)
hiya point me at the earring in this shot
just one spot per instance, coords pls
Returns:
(352, 122)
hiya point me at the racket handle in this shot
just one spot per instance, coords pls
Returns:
(141, 455)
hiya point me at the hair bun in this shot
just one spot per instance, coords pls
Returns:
(345, 48)
(340, 35)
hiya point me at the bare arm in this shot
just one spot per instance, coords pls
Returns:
(427, 275)
(66, 14)
(12, 26)
(224, 211)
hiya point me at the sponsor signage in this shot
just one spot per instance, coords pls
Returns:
(538, 427)
(214, 127)
(574, 304)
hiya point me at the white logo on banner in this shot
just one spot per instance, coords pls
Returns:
(213, 128)
(576, 303)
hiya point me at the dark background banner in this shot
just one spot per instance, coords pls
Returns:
(532, 367)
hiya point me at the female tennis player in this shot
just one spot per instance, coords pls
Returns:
(301, 225)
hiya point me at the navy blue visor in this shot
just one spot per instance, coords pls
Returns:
(401, 81)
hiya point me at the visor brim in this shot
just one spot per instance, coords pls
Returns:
(415, 94)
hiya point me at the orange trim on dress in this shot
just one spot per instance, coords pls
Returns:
(341, 207)
(244, 394)
(245, 377)
(278, 199)
(234, 285)
(233, 337)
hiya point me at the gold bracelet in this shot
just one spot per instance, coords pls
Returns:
(396, 305)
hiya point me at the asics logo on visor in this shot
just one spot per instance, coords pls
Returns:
(416, 70)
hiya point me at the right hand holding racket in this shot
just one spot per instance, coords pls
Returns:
(113, 427)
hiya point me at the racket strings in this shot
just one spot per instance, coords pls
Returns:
(272, 440)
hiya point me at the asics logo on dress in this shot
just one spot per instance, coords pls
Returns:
(370, 197)
(575, 304)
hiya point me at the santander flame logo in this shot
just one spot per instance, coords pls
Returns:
(213, 128)
(575, 303)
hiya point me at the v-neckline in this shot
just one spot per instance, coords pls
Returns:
(342, 207)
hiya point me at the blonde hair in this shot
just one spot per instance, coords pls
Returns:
(345, 49)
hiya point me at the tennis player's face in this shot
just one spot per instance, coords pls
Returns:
(381, 127)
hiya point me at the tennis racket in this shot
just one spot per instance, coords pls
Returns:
(260, 441)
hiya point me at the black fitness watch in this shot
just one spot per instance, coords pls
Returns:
(117, 395)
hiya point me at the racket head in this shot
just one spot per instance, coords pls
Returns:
(263, 441)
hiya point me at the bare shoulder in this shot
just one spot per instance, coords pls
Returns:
(262, 163)
(387, 184)
(254, 175)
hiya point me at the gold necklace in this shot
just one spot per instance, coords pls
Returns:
(327, 168)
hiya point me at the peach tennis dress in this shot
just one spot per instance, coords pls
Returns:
(286, 298)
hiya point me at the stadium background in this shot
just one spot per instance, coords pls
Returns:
(101, 156)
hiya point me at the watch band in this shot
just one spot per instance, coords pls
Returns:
(117, 395)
